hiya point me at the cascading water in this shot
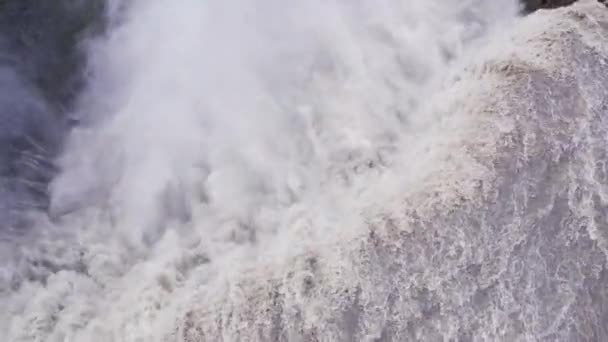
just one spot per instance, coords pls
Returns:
(230, 155)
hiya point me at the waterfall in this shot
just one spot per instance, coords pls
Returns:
(336, 170)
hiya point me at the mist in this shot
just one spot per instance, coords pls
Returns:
(239, 108)
(215, 134)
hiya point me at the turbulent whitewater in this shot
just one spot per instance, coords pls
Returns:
(325, 171)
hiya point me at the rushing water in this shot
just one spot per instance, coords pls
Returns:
(230, 156)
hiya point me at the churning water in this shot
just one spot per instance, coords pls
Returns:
(323, 171)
